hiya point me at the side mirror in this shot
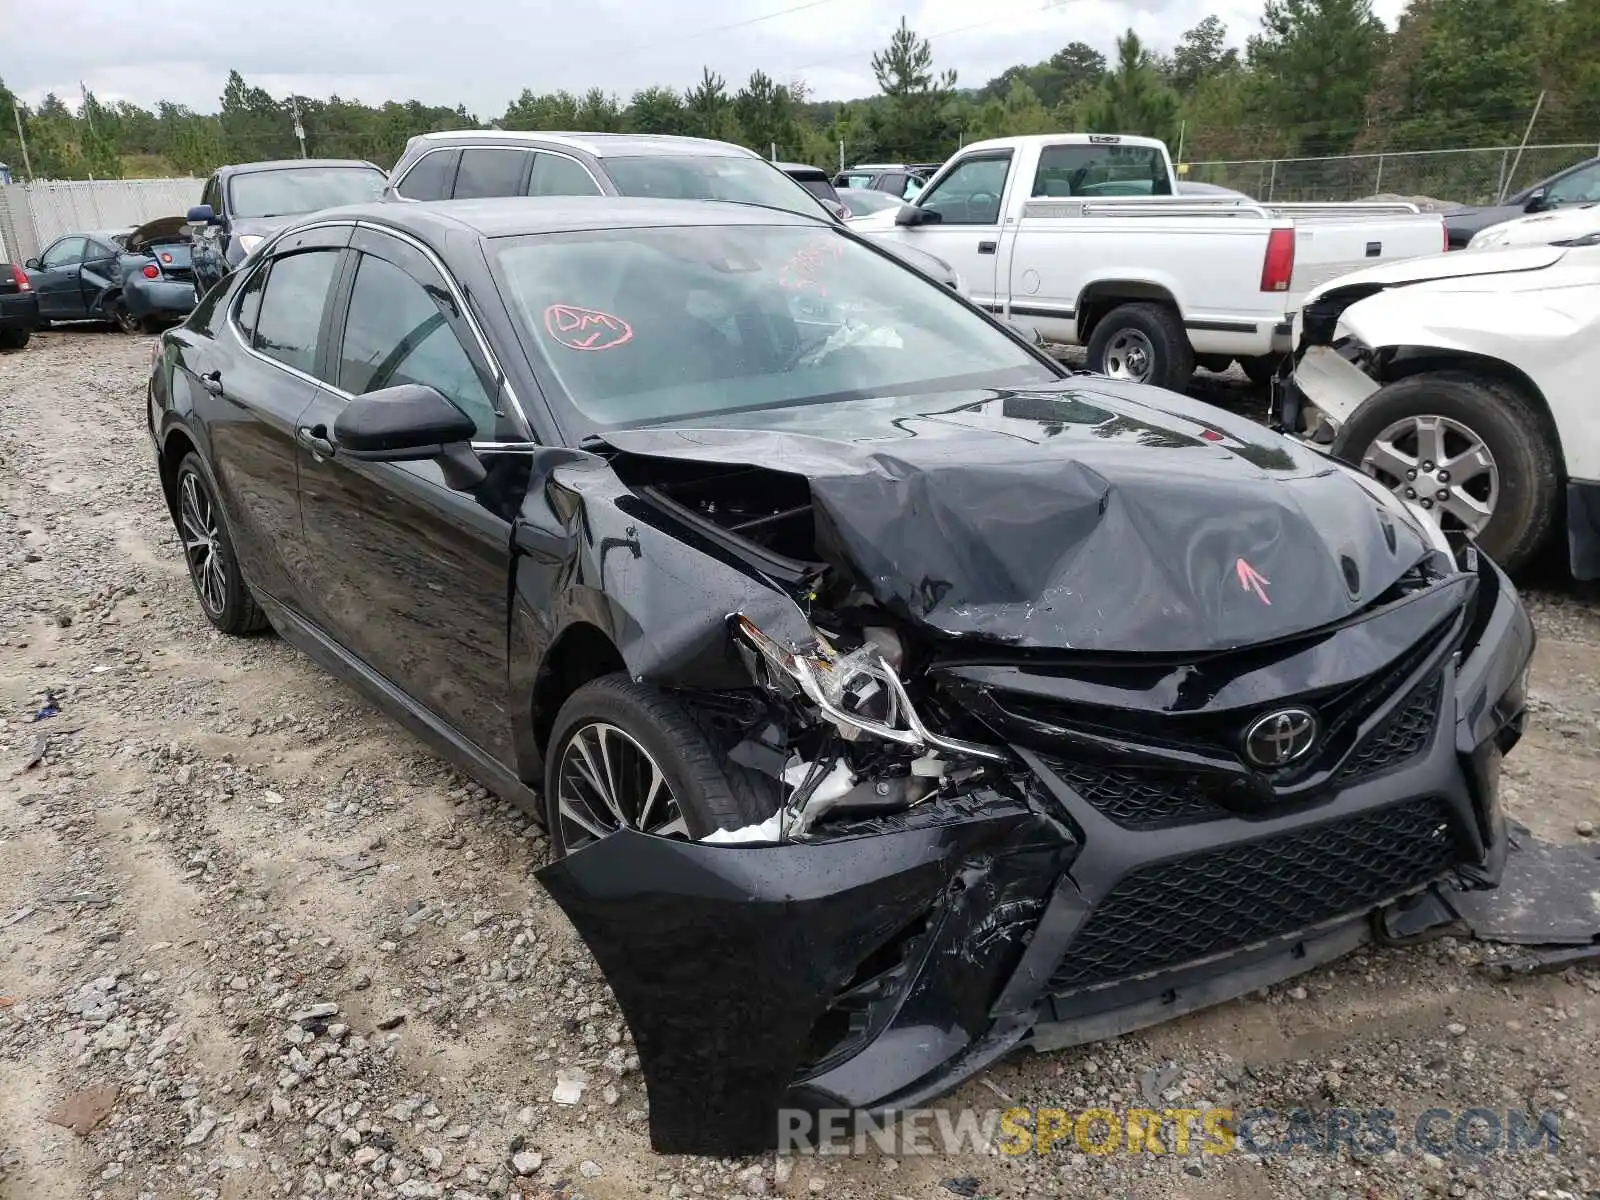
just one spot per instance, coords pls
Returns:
(839, 211)
(410, 423)
(31, 265)
(911, 214)
(202, 214)
(1535, 201)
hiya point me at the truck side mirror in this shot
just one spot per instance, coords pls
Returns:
(911, 214)
(201, 214)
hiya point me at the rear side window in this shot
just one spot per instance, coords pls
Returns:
(1097, 170)
(554, 175)
(291, 308)
(490, 173)
(894, 183)
(249, 305)
(431, 177)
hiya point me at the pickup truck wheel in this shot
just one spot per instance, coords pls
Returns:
(14, 339)
(624, 753)
(1473, 451)
(1260, 368)
(1142, 343)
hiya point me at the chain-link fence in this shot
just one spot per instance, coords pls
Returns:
(1478, 176)
(32, 215)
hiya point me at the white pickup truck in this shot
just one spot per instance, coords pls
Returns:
(1085, 236)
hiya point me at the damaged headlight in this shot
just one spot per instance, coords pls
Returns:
(859, 692)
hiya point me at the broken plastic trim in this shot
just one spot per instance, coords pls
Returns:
(825, 676)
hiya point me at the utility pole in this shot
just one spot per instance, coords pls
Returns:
(88, 114)
(299, 129)
(16, 112)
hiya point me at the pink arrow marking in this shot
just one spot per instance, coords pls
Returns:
(1252, 580)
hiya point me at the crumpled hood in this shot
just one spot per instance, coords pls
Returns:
(1442, 266)
(1090, 515)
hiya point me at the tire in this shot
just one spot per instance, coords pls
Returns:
(1215, 363)
(1260, 368)
(224, 597)
(1152, 327)
(14, 339)
(151, 324)
(711, 793)
(1506, 423)
(117, 313)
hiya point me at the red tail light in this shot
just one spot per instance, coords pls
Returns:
(21, 280)
(1278, 266)
(151, 271)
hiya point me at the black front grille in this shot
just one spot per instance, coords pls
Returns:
(1142, 799)
(1222, 900)
(1399, 738)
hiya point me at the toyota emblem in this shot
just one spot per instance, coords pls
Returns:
(1281, 737)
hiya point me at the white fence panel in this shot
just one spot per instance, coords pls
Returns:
(34, 214)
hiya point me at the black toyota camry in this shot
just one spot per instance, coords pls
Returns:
(896, 698)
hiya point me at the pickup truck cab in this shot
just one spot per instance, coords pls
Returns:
(1086, 236)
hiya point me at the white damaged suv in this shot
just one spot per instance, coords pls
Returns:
(1469, 384)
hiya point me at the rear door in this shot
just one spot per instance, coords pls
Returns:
(251, 393)
(488, 171)
(99, 273)
(56, 280)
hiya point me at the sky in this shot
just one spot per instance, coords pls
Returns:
(482, 53)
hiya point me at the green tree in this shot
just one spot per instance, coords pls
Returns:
(709, 108)
(1314, 62)
(765, 113)
(1133, 98)
(657, 110)
(914, 118)
(1201, 53)
(254, 125)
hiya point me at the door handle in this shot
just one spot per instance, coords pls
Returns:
(212, 382)
(986, 247)
(314, 440)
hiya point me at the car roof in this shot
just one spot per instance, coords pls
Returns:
(516, 216)
(599, 145)
(792, 168)
(283, 164)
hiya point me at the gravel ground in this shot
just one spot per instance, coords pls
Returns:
(255, 941)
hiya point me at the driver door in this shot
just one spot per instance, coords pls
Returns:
(58, 280)
(969, 199)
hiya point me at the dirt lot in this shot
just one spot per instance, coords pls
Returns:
(220, 838)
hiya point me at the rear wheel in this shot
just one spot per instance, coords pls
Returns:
(117, 312)
(626, 754)
(1471, 450)
(14, 339)
(208, 551)
(1142, 343)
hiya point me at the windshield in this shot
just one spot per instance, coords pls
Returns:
(295, 190)
(642, 326)
(711, 177)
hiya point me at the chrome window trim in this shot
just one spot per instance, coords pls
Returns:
(265, 250)
(525, 147)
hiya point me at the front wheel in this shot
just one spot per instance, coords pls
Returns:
(209, 554)
(1473, 451)
(1142, 343)
(626, 754)
(1260, 368)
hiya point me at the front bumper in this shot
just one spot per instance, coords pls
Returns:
(878, 966)
(159, 297)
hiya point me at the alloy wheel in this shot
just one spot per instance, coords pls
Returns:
(1439, 464)
(608, 781)
(1130, 355)
(202, 544)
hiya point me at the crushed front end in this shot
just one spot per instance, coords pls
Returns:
(988, 844)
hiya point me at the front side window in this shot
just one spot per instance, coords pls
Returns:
(488, 172)
(431, 177)
(1101, 170)
(64, 253)
(396, 333)
(290, 314)
(557, 175)
(740, 179)
(1580, 187)
(290, 191)
(640, 326)
(970, 193)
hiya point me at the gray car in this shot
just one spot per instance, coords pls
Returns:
(479, 164)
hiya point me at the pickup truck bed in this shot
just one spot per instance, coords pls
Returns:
(1152, 284)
